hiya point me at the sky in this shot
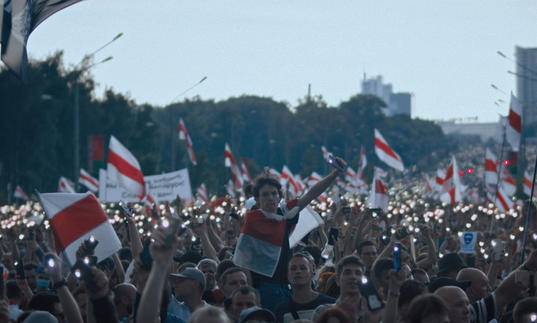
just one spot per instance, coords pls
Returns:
(444, 52)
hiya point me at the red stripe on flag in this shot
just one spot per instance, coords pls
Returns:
(515, 121)
(125, 168)
(89, 179)
(385, 148)
(260, 227)
(76, 220)
(490, 166)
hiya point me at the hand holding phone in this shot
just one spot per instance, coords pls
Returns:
(397, 256)
(370, 293)
(335, 163)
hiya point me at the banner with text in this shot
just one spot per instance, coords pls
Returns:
(163, 187)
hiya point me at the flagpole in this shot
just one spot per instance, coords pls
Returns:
(529, 213)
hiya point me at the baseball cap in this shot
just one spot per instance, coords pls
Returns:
(257, 311)
(191, 273)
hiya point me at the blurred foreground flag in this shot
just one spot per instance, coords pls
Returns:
(124, 169)
(65, 186)
(19, 194)
(18, 18)
(73, 219)
(386, 153)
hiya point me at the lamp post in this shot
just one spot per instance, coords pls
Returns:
(80, 68)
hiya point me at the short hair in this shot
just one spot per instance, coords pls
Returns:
(382, 265)
(245, 290)
(524, 307)
(348, 260)
(223, 266)
(206, 263)
(315, 252)
(426, 305)
(409, 290)
(203, 313)
(264, 180)
(365, 244)
(333, 311)
(418, 271)
(230, 271)
(306, 255)
(223, 253)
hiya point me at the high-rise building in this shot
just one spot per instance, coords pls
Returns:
(397, 103)
(526, 83)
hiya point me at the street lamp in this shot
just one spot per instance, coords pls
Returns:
(80, 68)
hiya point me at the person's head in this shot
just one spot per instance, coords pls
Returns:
(457, 302)
(409, 290)
(315, 252)
(349, 273)
(208, 268)
(428, 308)
(221, 268)
(257, 315)
(367, 251)
(48, 303)
(124, 297)
(333, 314)
(381, 272)
(421, 276)
(449, 265)
(301, 269)
(479, 286)
(242, 298)
(209, 314)
(189, 283)
(232, 279)
(525, 310)
(267, 193)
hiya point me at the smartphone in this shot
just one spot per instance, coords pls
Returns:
(369, 291)
(173, 225)
(82, 271)
(333, 236)
(49, 261)
(397, 256)
(125, 209)
(19, 266)
(332, 161)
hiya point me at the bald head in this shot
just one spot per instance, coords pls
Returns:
(480, 286)
(124, 290)
(457, 301)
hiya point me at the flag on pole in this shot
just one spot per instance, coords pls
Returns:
(124, 168)
(378, 198)
(73, 219)
(183, 135)
(503, 203)
(230, 188)
(235, 172)
(19, 194)
(245, 173)
(491, 171)
(18, 18)
(326, 153)
(386, 153)
(452, 187)
(514, 123)
(313, 179)
(527, 185)
(508, 183)
(202, 193)
(87, 180)
(288, 177)
(380, 172)
(65, 186)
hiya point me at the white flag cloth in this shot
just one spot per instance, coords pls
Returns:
(491, 171)
(202, 193)
(19, 194)
(326, 153)
(527, 184)
(244, 170)
(452, 186)
(235, 171)
(378, 198)
(183, 135)
(508, 182)
(503, 203)
(308, 220)
(73, 219)
(313, 179)
(124, 168)
(87, 180)
(514, 123)
(287, 177)
(65, 186)
(386, 153)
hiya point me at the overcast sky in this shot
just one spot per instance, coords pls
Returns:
(442, 51)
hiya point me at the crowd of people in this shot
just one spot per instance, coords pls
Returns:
(231, 261)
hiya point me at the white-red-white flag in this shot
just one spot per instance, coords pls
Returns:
(245, 174)
(326, 153)
(381, 172)
(124, 168)
(313, 179)
(452, 186)
(74, 218)
(235, 171)
(503, 202)
(491, 171)
(287, 177)
(19, 194)
(378, 198)
(428, 183)
(87, 180)
(230, 188)
(275, 174)
(513, 128)
(183, 135)
(386, 153)
(527, 185)
(508, 182)
(202, 193)
(65, 186)
(439, 179)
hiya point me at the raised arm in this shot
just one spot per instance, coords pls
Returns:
(321, 186)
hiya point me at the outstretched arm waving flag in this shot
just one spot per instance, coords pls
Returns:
(386, 153)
